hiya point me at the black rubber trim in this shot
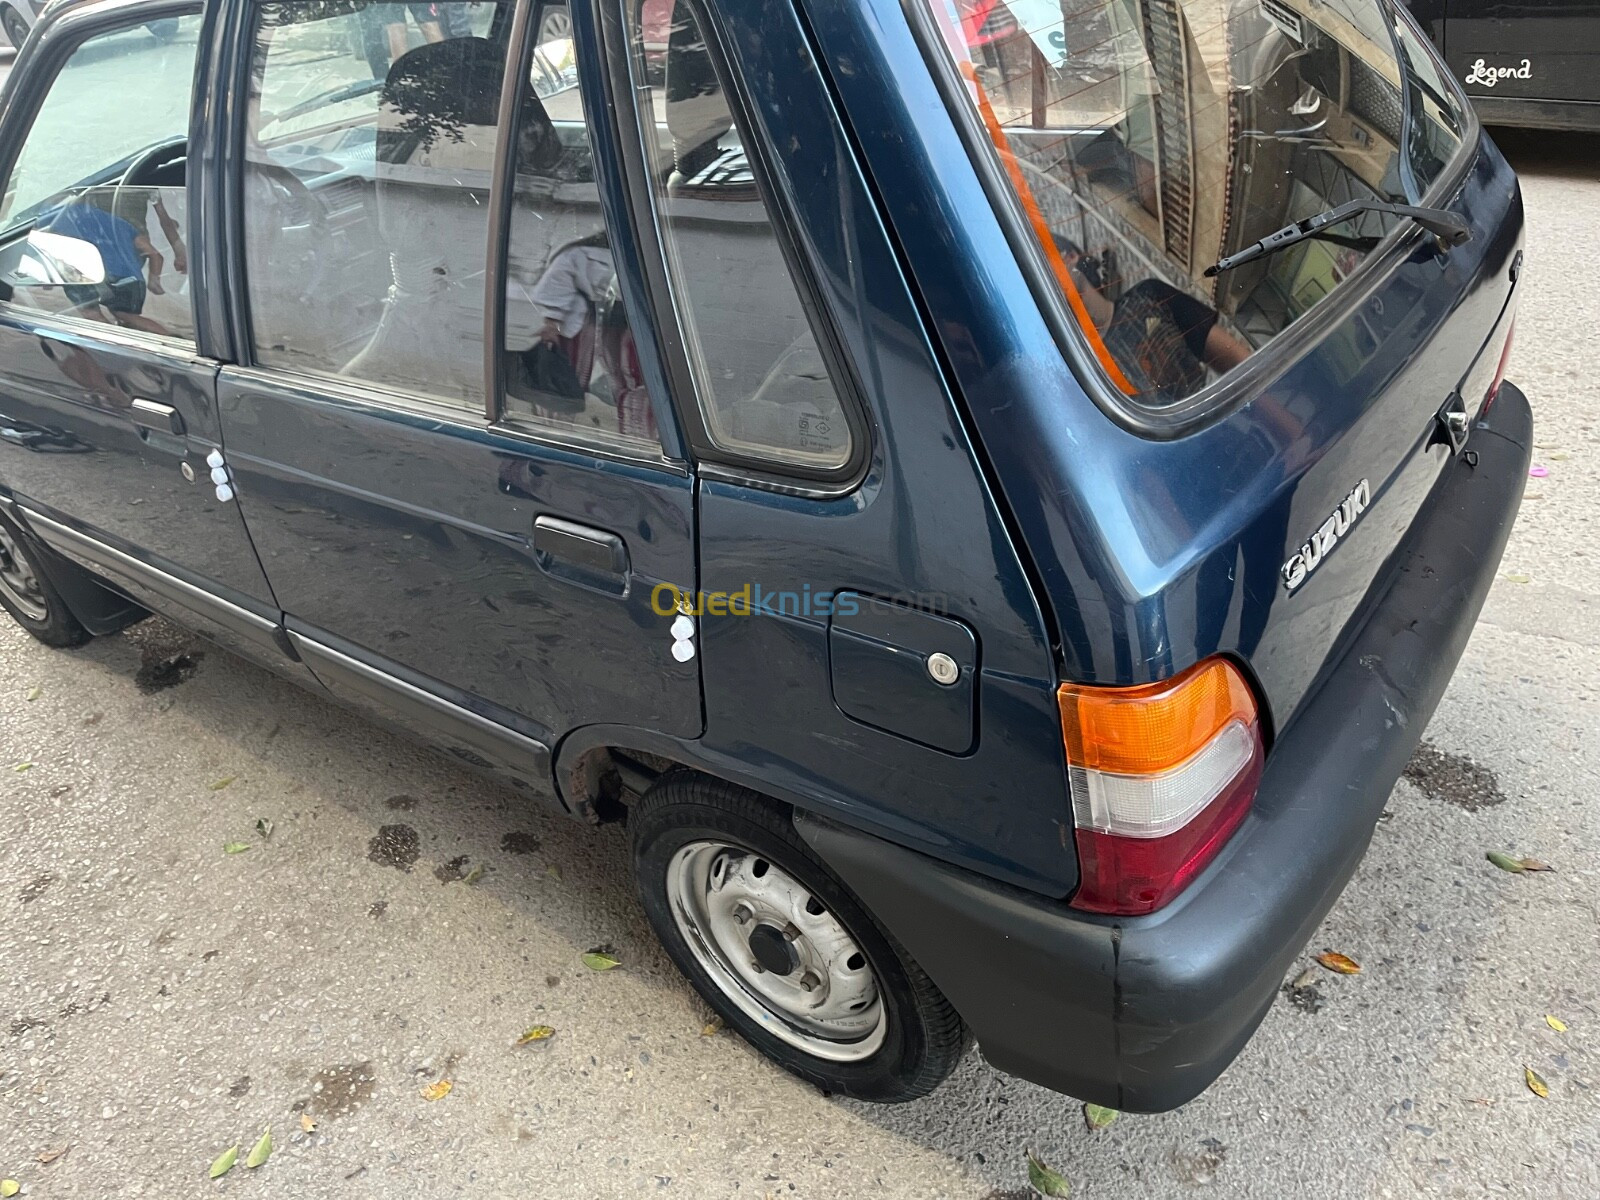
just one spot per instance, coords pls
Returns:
(1143, 1013)
(343, 670)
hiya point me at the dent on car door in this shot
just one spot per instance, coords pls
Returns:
(107, 405)
(485, 533)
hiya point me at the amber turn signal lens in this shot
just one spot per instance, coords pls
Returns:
(1152, 728)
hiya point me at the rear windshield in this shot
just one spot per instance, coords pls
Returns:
(1148, 139)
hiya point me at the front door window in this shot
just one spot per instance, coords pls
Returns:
(114, 176)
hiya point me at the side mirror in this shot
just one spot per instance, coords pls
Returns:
(45, 259)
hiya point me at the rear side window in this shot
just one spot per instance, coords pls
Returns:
(764, 389)
(369, 155)
(114, 175)
(1147, 139)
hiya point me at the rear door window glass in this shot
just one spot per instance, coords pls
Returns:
(370, 146)
(571, 365)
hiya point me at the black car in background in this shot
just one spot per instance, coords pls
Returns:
(1524, 62)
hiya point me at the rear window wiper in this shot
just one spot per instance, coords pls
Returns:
(1450, 229)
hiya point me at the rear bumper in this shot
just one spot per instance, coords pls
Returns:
(1143, 1013)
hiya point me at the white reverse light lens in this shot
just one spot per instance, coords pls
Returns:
(1152, 806)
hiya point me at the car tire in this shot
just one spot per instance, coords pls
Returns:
(16, 28)
(28, 595)
(780, 948)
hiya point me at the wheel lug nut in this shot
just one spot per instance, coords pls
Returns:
(790, 932)
(742, 914)
(809, 981)
(757, 967)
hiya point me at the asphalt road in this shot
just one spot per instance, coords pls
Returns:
(161, 1000)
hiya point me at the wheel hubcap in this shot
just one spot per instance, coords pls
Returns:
(18, 581)
(772, 948)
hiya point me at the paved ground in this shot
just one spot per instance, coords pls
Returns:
(160, 1000)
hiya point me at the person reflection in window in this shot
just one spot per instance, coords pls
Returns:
(582, 318)
(124, 251)
(1162, 338)
(559, 366)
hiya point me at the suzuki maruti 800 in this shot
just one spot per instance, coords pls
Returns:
(991, 493)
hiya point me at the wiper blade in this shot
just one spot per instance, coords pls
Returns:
(337, 96)
(1450, 229)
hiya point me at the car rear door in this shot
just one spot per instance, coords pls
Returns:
(107, 401)
(475, 543)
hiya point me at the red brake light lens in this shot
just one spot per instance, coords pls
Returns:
(1161, 777)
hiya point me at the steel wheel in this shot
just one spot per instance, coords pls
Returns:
(18, 581)
(775, 951)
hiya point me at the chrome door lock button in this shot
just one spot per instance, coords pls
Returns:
(943, 668)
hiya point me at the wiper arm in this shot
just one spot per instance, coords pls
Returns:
(1450, 229)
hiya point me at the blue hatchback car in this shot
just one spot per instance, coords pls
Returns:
(990, 492)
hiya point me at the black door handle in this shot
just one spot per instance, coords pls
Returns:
(584, 555)
(156, 417)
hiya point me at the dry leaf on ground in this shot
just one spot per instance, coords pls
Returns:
(261, 1151)
(1046, 1181)
(437, 1090)
(224, 1162)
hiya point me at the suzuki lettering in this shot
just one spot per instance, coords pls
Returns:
(1327, 536)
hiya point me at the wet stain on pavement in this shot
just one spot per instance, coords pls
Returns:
(1306, 997)
(395, 846)
(35, 888)
(519, 841)
(1453, 778)
(1199, 1163)
(158, 672)
(241, 1087)
(73, 1008)
(338, 1091)
(401, 803)
(378, 908)
(22, 1024)
(453, 871)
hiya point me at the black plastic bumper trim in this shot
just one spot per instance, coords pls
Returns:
(1142, 1014)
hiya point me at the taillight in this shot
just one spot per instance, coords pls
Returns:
(1161, 774)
